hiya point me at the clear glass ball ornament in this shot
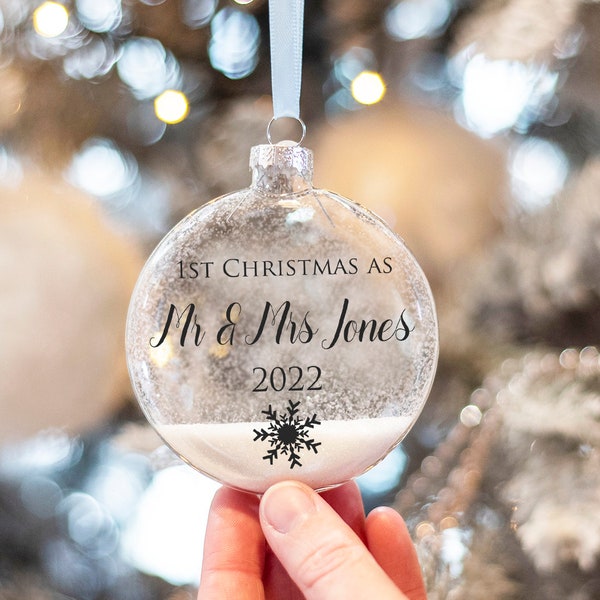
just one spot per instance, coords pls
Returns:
(282, 332)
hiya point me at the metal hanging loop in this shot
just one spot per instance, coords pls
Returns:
(272, 121)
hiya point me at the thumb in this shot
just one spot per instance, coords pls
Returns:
(322, 554)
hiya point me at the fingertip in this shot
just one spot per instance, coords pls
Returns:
(386, 515)
(286, 504)
(390, 543)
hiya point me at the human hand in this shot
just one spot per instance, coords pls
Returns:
(295, 544)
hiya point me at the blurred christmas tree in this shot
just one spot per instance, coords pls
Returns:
(483, 124)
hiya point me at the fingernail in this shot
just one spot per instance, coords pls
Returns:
(285, 505)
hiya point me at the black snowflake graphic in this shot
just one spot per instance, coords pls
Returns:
(287, 435)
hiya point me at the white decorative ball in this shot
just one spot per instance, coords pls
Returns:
(66, 281)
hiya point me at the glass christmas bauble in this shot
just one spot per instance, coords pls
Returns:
(282, 332)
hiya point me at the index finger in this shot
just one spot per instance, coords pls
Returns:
(390, 543)
(234, 549)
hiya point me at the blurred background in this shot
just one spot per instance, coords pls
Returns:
(471, 127)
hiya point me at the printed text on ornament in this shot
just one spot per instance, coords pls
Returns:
(281, 324)
(293, 267)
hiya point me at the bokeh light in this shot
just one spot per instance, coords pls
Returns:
(50, 450)
(341, 100)
(151, 206)
(102, 169)
(538, 169)
(50, 19)
(147, 68)
(345, 70)
(454, 548)
(368, 87)
(197, 13)
(171, 106)
(471, 415)
(352, 63)
(142, 125)
(11, 170)
(412, 19)
(496, 93)
(89, 524)
(40, 495)
(385, 476)
(165, 536)
(93, 60)
(233, 47)
(99, 15)
(63, 35)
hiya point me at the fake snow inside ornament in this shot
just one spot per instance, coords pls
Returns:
(281, 332)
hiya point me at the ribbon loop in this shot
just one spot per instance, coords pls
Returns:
(286, 21)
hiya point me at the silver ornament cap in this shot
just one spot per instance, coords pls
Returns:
(279, 169)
